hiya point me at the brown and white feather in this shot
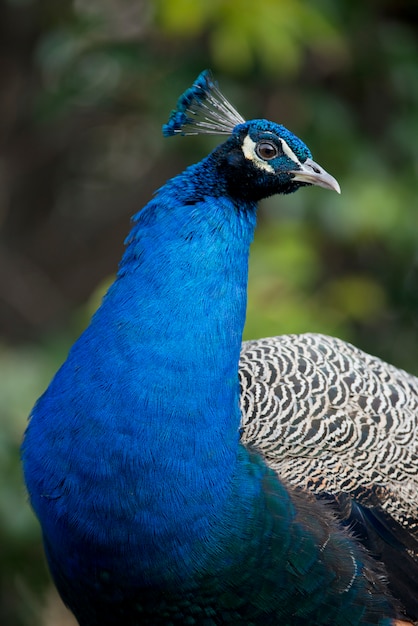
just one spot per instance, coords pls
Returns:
(333, 419)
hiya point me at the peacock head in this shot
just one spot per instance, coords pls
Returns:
(260, 158)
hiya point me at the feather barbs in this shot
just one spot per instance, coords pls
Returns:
(203, 110)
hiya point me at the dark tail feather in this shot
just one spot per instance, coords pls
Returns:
(388, 542)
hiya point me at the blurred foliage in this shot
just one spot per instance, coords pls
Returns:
(239, 34)
(84, 88)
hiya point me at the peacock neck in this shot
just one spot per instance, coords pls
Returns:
(180, 301)
(170, 332)
(180, 295)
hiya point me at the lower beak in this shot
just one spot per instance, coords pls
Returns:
(313, 174)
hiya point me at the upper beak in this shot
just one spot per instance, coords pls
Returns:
(313, 174)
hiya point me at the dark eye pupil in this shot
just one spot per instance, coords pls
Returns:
(266, 150)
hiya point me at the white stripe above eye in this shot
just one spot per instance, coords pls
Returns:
(248, 148)
(289, 152)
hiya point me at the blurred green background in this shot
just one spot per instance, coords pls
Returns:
(85, 86)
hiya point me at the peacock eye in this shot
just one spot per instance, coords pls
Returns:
(266, 150)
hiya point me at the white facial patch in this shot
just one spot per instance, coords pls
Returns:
(248, 148)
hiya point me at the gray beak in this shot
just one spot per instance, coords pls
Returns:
(313, 174)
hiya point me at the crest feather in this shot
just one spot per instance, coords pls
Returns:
(202, 110)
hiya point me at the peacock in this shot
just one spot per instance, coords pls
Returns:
(181, 477)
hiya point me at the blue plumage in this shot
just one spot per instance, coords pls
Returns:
(152, 510)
